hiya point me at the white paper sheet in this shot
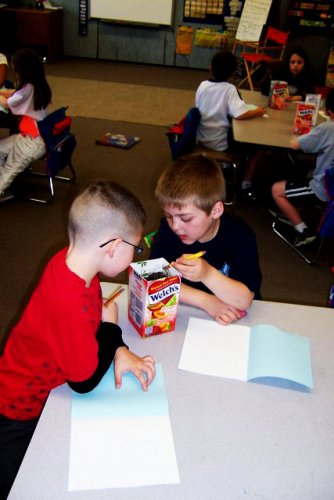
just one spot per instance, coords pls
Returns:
(261, 352)
(213, 349)
(121, 438)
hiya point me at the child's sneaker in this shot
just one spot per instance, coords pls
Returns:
(304, 238)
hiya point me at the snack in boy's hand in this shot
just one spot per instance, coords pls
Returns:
(303, 120)
(277, 94)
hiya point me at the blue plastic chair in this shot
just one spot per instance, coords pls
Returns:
(60, 143)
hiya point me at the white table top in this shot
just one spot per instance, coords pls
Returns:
(233, 440)
(274, 131)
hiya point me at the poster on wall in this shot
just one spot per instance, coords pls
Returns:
(253, 17)
(315, 14)
(184, 40)
(224, 13)
(207, 11)
(83, 17)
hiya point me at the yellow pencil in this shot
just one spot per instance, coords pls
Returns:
(116, 293)
(195, 255)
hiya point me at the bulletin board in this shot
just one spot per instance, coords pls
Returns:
(315, 14)
(253, 17)
(133, 11)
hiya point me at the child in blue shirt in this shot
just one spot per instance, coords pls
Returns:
(290, 194)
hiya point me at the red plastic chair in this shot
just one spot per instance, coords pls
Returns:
(270, 51)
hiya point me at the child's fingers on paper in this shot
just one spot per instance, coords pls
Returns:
(118, 379)
(143, 378)
(149, 368)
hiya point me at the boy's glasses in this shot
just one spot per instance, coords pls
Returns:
(138, 248)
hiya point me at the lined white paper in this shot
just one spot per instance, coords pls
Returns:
(121, 438)
(213, 349)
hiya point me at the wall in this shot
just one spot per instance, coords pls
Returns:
(129, 43)
(152, 45)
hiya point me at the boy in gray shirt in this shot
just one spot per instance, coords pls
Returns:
(291, 194)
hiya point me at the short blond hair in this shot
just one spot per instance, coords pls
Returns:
(193, 178)
(102, 210)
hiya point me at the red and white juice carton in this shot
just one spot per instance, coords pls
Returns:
(303, 120)
(316, 100)
(154, 291)
(277, 94)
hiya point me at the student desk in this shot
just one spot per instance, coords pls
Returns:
(233, 440)
(272, 132)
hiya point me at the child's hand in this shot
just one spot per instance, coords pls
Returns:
(127, 361)
(261, 111)
(110, 313)
(221, 312)
(191, 269)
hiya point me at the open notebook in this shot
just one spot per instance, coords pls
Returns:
(261, 353)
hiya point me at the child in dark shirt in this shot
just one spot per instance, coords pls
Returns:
(296, 71)
(65, 333)
(225, 280)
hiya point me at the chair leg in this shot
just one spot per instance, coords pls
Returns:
(227, 165)
(70, 178)
(249, 75)
(308, 259)
(65, 178)
(44, 201)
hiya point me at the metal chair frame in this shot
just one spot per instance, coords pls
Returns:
(228, 161)
(309, 259)
(70, 178)
(56, 142)
(264, 53)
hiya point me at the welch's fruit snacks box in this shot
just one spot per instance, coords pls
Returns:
(154, 291)
(277, 94)
(303, 120)
(316, 100)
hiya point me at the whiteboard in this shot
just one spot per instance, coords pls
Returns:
(135, 11)
(253, 17)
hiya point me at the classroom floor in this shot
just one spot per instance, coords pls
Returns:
(31, 233)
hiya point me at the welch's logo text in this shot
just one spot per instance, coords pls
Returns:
(160, 295)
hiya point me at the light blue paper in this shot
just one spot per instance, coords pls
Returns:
(275, 353)
(129, 401)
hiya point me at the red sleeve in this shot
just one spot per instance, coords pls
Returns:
(75, 346)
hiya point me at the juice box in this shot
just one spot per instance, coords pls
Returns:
(154, 290)
(316, 100)
(278, 92)
(303, 119)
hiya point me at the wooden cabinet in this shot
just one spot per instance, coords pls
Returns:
(41, 30)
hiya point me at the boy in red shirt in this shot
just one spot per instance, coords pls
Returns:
(65, 333)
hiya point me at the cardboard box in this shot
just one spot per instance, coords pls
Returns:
(303, 120)
(316, 100)
(153, 300)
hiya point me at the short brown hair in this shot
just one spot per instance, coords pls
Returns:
(104, 208)
(194, 178)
